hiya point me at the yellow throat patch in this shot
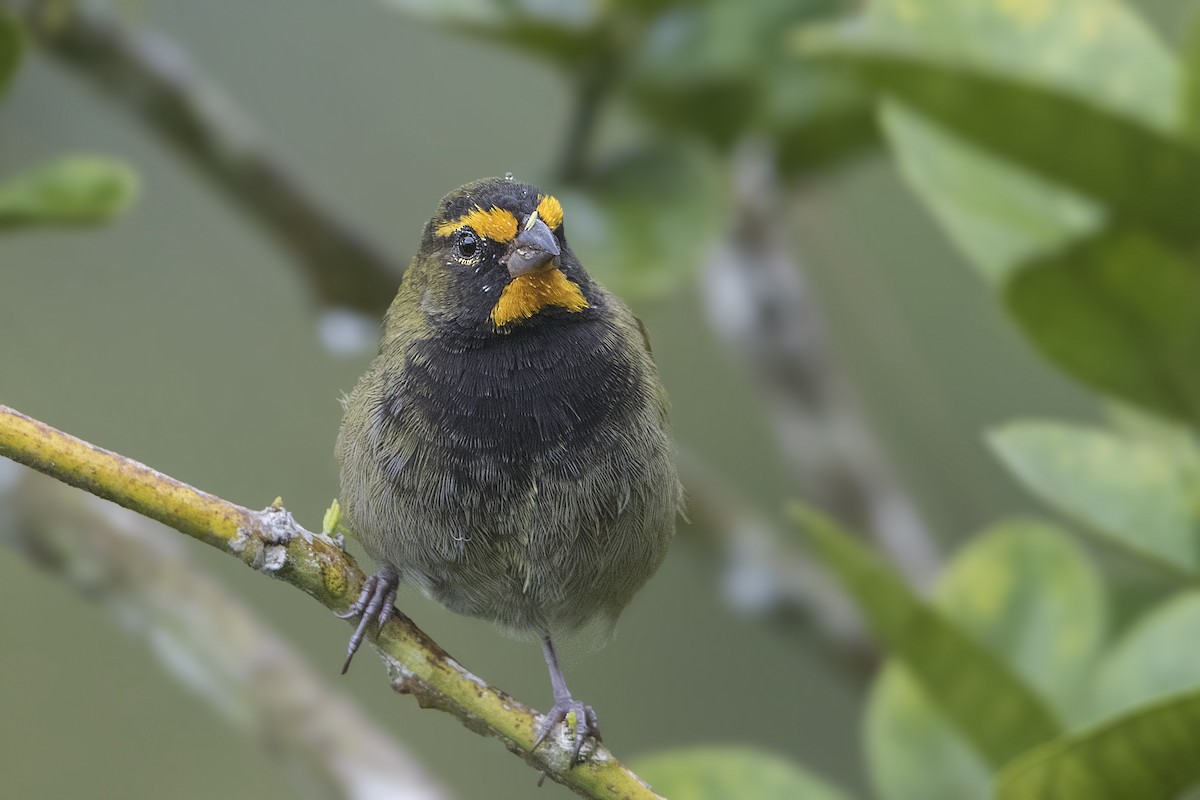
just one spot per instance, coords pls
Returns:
(527, 294)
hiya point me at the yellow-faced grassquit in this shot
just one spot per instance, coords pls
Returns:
(508, 450)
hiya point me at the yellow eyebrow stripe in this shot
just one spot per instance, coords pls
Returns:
(550, 210)
(494, 223)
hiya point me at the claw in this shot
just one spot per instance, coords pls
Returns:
(587, 725)
(375, 602)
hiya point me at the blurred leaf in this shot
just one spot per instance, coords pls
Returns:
(719, 69)
(731, 773)
(999, 214)
(11, 47)
(1095, 50)
(719, 47)
(1144, 426)
(78, 190)
(1020, 79)
(1141, 496)
(450, 11)
(1190, 94)
(1155, 659)
(643, 223)
(1148, 753)
(1120, 312)
(817, 118)
(998, 712)
(1031, 595)
(567, 32)
(913, 752)
(570, 47)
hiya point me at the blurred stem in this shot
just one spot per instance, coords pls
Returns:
(272, 542)
(247, 671)
(170, 94)
(592, 89)
(760, 304)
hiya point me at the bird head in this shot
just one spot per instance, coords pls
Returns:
(494, 257)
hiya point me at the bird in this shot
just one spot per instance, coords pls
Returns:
(508, 451)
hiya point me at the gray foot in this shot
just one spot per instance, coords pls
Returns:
(376, 602)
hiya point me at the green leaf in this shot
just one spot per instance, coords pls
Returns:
(731, 773)
(1019, 78)
(1031, 595)
(1118, 311)
(1149, 752)
(1144, 426)
(643, 223)
(998, 213)
(1155, 659)
(567, 33)
(450, 11)
(1140, 175)
(720, 69)
(998, 712)
(817, 119)
(1191, 78)
(705, 68)
(913, 752)
(1139, 495)
(12, 44)
(78, 190)
(1094, 50)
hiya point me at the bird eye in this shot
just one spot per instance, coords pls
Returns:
(467, 245)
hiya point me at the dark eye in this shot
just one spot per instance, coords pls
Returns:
(467, 245)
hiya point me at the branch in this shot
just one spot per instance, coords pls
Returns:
(257, 681)
(760, 304)
(157, 80)
(272, 542)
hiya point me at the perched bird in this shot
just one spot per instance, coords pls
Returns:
(508, 451)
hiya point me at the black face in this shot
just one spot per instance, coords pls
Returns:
(481, 241)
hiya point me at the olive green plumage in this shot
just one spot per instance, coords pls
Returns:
(519, 471)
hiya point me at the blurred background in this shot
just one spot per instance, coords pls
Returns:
(183, 336)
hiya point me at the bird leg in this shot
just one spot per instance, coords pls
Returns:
(375, 602)
(586, 723)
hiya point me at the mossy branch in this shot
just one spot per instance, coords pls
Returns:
(272, 542)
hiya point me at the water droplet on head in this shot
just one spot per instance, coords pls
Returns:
(508, 176)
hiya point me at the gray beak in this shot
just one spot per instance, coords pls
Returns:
(534, 248)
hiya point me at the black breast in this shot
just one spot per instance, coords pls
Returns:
(489, 410)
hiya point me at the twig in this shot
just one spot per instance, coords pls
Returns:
(226, 652)
(761, 306)
(157, 80)
(272, 542)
